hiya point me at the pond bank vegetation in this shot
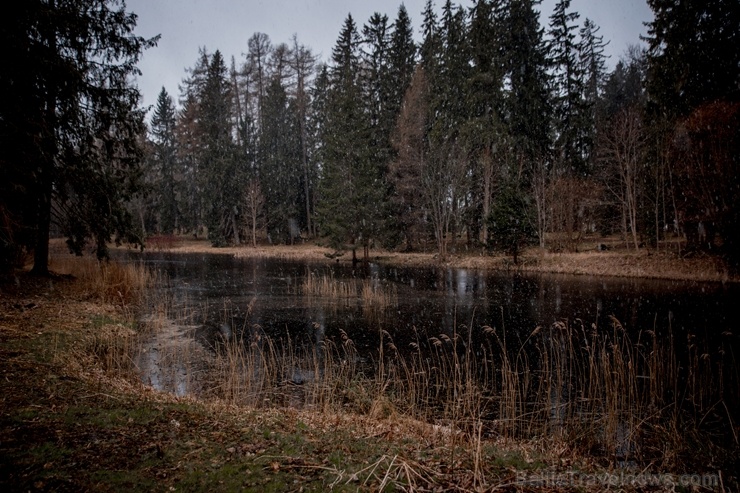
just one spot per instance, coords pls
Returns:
(563, 408)
(596, 257)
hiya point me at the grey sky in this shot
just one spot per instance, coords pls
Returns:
(226, 25)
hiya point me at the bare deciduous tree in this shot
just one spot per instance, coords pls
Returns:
(621, 150)
(443, 177)
(405, 170)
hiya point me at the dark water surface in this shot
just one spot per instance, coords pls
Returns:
(267, 293)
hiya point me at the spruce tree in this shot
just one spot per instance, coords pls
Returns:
(279, 155)
(692, 88)
(401, 60)
(429, 49)
(221, 177)
(691, 56)
(527, 102)
(511, 220)
(454, 69)
(528, 109)
(409, 201)
(593, 67)
(70, 124)
(304, 64)
(484, 131)
(401, 65)
(163, 139)
(446, 63)
(376, 86)
(568, 90)
(351, 187)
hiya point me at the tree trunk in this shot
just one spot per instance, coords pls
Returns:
(46, 184)
(235, 227)
(41, 252)
(487, 179)
(254, 229)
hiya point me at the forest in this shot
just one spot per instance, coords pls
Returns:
(493, 132)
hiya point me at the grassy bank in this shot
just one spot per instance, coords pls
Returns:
(75, 415)
(617, 261)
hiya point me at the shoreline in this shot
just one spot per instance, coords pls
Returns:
(643, 264)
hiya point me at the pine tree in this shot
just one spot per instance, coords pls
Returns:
(70, 124)
(568, 90)
(221, 177)
(163, 139)
(351, 188)
(528, 108)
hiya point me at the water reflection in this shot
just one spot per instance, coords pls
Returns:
(552, 351)
(437, 300)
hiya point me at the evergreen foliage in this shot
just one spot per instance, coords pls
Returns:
(70, 125)
(511, 220)
(487, 131)
(568, 90)
(528, 105)
(280, 155)
(162, 130)
(352, 188)
(691, 55)
(693, 87)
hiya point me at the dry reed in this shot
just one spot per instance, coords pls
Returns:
(109, 281)
(642, 401)
(373, 294)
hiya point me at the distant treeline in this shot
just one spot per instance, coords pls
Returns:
(494, 131)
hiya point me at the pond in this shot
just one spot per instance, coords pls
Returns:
(438, 300)
(627, 360)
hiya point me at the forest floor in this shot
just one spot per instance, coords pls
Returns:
(71, 421)
(616, 260)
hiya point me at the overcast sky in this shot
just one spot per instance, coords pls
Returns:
(226, 25)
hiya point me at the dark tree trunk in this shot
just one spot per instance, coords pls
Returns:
(45, 184)
(41, 251)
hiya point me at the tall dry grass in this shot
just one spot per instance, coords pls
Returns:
(113, 337)
(109, 281)
(648, 400)
(373, 294)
